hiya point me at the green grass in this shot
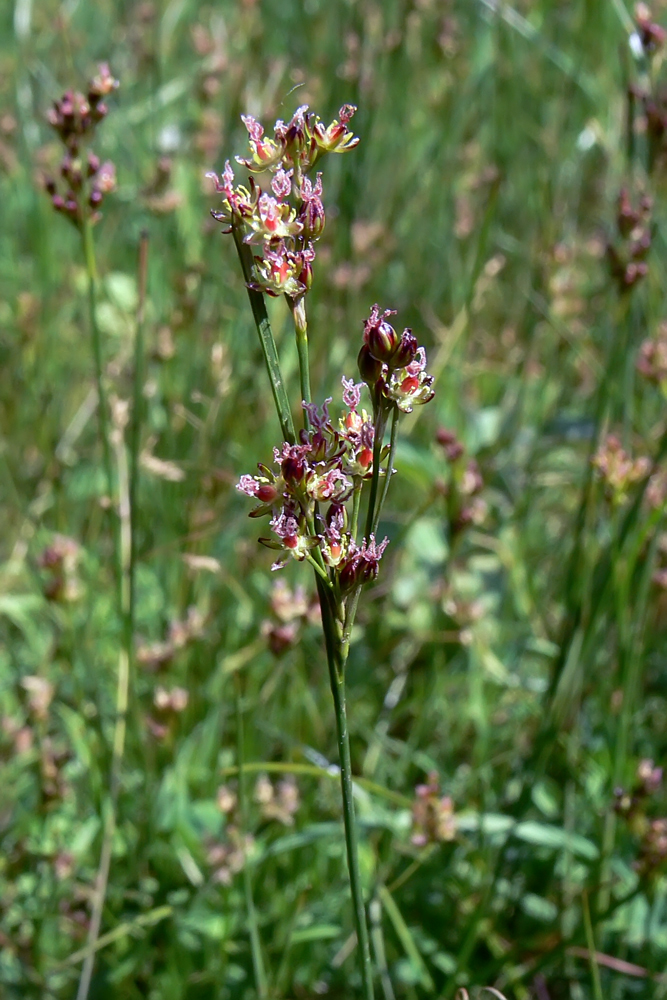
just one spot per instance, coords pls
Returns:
(523, 660)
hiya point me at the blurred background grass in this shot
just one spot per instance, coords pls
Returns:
(478, 204)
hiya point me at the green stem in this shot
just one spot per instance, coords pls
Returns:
(102, 404)
(136, 419)
(266, 339)
(590, 944)
(388, 472)
(301, 330)
(336, 665)
(375, 480)
(253, 926)
(120, 724)
(356, 503)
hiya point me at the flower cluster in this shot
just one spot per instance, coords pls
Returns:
(277, 802)
(647, 43)
(321, 469)
(59, 562)
(627, 255)
(633, 805)
(287, 217)
(465, 506)
(652, 358)
(433, 818)
(618, 471)
(652, 36)
(393, 367)
(290, 610)
(83, 180)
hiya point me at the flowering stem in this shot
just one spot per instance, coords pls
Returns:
(266, 339)
(301, 330)
(120, 724)
(336, 663)
(102, 406)
(377, 451)
(356, 503)
(136, 417)
(388, 473)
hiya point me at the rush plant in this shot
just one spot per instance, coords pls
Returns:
(314, 490)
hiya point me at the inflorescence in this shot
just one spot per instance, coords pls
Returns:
(83, 180)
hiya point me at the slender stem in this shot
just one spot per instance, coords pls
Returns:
(136, 419)
(590, 944)
(301, 330)
(120, 724)
(266, 339)
(377, 452)
(337, 680)
(102, 404)
(253, 926)
(356, 503)
(389, 470)
(318, 569)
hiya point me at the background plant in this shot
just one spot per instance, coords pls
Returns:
(530, 681)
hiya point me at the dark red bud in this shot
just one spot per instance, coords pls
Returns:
(306, 274)
(312, 218)
(267, 493)
(293, 470)
(370, 368)
(347, 577)
(381, 340)
(407, 350)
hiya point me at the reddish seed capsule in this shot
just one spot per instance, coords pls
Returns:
(267, 493)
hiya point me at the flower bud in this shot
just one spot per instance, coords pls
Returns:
(406, 351)
(266, 493)
(312, 218)
(93, 164)
(382, 340)
(294, 467)
(370, 368)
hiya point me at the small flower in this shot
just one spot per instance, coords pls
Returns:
(295, 541)
(311, 214)
(335, 541)
(239, 203)
(284, 272)
(263, 488)
(330, 486)
(351, 392)
(379, 335)
(433, 818)
(652, 359)
(336, 138)
(412, 385)
(281, 183)
(265, 153)
(362, 563)
(272, 220)
(618, 471)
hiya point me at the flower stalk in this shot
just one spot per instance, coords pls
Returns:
(313, 490)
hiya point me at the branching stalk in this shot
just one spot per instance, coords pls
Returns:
(266, 339)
